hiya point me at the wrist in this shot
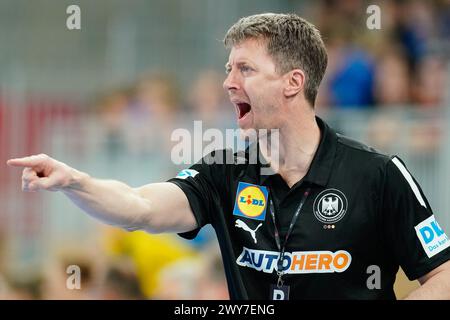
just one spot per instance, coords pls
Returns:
(77, 180)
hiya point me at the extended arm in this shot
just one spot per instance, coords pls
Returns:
(155, 208)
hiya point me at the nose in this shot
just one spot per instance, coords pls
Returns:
(231, 82)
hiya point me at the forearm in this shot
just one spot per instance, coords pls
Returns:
(154, 207)
(437, 287)
(110, 201)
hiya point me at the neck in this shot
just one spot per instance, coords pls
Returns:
(297, 144)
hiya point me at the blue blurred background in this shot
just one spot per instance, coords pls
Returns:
(105, 99)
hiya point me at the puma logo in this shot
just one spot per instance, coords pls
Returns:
(241, 224)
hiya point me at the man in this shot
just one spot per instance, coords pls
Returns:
(332, 209)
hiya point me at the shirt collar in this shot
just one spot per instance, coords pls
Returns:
(322, 163)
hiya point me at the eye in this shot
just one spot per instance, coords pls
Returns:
(245, 69)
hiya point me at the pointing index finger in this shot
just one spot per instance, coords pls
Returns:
(24, 162)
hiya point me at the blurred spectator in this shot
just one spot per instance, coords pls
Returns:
(152, 114)
(411, 34)
(179, 280)
(56, 274)
(112, 109)
(348, 81)
(121, 282)
(431, 82)
(392, 84)
(20, 287)
(206, 100)
(352, 83)
(149, 253)
(196, 278)
(414, 25)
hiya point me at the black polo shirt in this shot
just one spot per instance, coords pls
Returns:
(365, 216)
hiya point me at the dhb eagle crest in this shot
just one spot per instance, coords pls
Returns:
(330, 206)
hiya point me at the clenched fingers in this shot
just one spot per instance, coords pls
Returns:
(29, 176)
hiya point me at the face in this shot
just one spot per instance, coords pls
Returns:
(254, 86)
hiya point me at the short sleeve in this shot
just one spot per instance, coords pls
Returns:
(200, 187)
(412, 234)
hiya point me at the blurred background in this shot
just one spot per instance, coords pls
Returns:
(105, 99)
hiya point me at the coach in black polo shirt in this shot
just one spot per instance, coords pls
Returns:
(332, 213)
(361, 210)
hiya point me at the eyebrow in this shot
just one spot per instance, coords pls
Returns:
(238, 64)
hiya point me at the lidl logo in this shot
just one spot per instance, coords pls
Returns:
(431, 236)
(251, 201)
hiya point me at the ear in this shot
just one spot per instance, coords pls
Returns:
(295, 82)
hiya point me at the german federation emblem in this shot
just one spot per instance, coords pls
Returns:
(330, 206)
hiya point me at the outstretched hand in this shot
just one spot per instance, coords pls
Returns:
(41, 172)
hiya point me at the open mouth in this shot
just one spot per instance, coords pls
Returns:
(243, 109)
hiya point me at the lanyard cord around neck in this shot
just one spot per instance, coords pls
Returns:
(282, 247)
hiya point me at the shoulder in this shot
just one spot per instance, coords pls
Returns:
(358, 151)
(225, 163)
(363, 158)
